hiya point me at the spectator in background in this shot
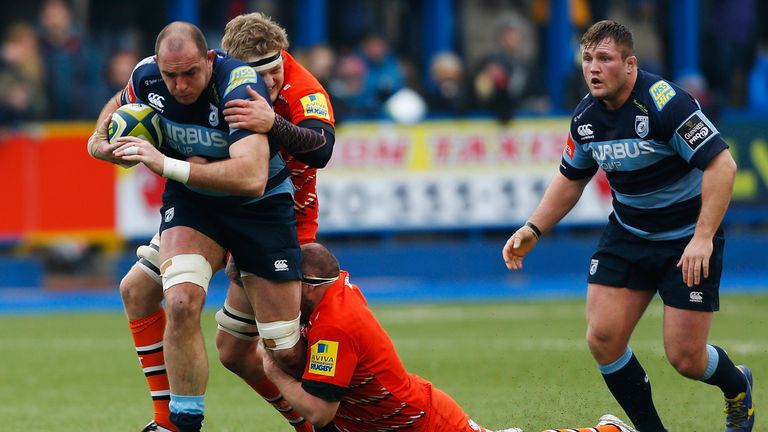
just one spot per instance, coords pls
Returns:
(729, 37)
(347, 90)
(72, 67)
(642, 16)
(22, 75)
(384, 74)
(505, 77)
(758, 79)
(447, 93)
(697, 87)
(119, 68)
(319, 61)
(15, 102)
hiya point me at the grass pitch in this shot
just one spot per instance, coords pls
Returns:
(519, 364)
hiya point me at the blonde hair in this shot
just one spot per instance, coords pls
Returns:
(252, 35)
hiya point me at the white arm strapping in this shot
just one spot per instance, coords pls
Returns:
(175, 169)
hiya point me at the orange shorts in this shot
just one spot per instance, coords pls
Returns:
(306, 228)
(447, 416)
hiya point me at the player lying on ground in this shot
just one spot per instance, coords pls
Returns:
(353, 378)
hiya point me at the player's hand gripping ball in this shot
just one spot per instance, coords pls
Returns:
(138, 120)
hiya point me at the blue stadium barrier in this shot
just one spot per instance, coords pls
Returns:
(21, 273)
(449, 270)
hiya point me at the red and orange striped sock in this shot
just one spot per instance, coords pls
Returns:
(271, 394)
(607, 428)
(148, 338)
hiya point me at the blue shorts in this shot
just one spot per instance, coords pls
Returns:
(625, 260)
(261, 236)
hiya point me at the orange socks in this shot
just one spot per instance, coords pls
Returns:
(148, 337)
(271, 394)
(608, 428)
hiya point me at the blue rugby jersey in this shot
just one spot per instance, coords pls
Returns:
(653, 149)
(200, 129)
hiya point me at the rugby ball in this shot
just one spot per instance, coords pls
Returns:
(138, 120)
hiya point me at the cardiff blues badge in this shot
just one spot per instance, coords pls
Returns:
(641, 126)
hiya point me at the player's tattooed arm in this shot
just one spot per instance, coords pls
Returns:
(310, 142)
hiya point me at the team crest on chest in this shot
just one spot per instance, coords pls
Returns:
(213, 116)
(641, 126)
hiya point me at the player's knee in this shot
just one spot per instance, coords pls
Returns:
(280, 335)
(230, 356)
(599, 337)
(140, 294)
(235, 339)
(686, 363)
(149, 258)
(186, 268)
(237, 324)
(604, 345)
(291, 361)
(184, 304)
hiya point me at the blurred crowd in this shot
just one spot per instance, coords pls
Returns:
(62, 63)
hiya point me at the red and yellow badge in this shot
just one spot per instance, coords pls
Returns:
(570, 147)
(323, 357)
(316, 105)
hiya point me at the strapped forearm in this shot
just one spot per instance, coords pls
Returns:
(313, 146)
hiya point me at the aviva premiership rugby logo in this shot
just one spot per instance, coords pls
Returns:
(315, 105)
(641, 126)
(322, 358)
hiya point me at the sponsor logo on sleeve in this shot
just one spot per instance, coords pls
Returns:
(239, 76)
(315, 105)
(130, 94)
(570, 147)
(662, 92)
(641, 126)
(694, 131)
(323, 357)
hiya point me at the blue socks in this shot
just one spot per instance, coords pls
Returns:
(187, 412)
(627, 381)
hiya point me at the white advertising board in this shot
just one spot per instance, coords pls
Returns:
(446, 174)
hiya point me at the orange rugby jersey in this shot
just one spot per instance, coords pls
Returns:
(348, 348)
(303, 98)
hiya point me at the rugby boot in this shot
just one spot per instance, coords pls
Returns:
(154, 427)
(739, 412)
(510, 430)
(611, 420)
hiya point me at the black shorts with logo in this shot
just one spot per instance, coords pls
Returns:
(625, 260)
(261, 236)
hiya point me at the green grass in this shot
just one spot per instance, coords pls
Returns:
(508, 364)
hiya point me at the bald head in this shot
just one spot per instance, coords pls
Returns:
(318, 261)
(175, 37)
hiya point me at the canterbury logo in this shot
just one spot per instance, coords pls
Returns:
(585, 130)
(696, 297)
(156, 100)
(281, 265)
